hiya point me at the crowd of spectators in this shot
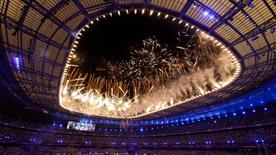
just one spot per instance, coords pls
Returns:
(263, 136)
(262, 116)
(116, 151)
(251, 130)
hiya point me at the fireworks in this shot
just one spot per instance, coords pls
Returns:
(155, 77)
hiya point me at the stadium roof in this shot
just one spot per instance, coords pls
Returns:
(37, 35)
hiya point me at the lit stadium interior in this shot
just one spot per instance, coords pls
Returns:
(147, 77)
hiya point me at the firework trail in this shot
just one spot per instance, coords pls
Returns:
(155, 77)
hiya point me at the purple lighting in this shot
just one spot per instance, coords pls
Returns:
(273, 29)
(17, 64)
(205, 13)
(59, 141)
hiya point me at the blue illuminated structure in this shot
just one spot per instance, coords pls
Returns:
(255, 98)
(17, 63)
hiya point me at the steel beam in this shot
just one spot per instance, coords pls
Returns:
(7, 78)
(23, 52)
(11, 23)
(95, 7)
(82, 9)
(25, 10)
(269, 8)
(32, 72)
(226, 22)
(264, 26)
(42, 10)
(186, 8)
(262, 50)
(257, 27)
(249, 17)
(33, 83)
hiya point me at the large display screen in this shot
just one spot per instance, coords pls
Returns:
(83, 126)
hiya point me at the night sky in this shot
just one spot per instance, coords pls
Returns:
(113, 38)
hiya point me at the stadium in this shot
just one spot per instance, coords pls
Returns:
(149, 77)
